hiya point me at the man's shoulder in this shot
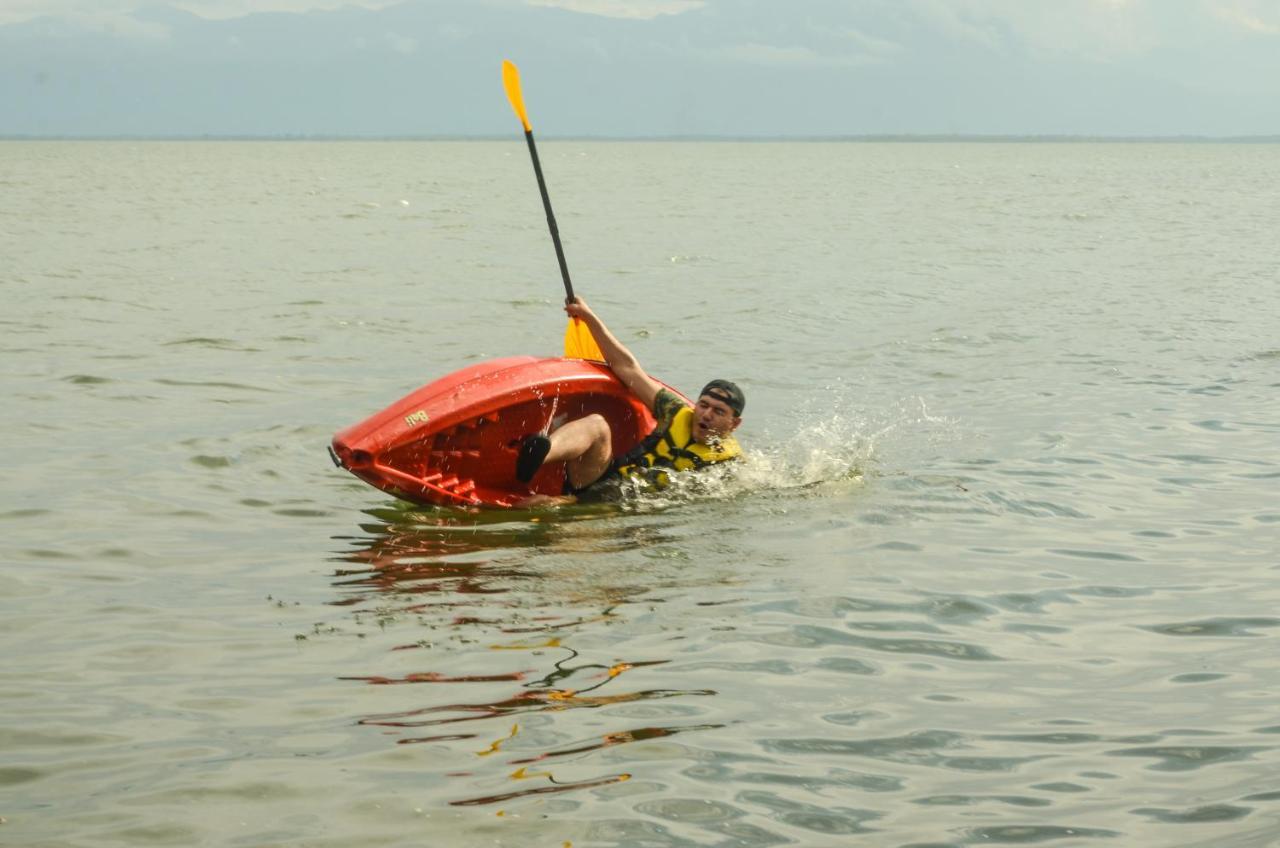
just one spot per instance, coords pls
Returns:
(667, 403)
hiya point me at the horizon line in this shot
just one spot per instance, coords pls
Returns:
(692, 137)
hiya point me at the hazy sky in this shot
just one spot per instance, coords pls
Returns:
(641, 67)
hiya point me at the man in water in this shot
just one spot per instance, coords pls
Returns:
(686, 438)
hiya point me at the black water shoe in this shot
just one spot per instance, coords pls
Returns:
(533, 450)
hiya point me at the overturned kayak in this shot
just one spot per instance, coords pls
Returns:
(454, 441)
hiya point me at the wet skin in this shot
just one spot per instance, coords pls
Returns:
(713, 420)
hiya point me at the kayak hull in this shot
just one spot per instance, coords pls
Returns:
(454, 441)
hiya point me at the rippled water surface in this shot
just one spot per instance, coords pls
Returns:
(1002, 568)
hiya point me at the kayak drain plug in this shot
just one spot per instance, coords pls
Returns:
(345, 457)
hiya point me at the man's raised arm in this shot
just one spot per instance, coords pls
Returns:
(622, 361)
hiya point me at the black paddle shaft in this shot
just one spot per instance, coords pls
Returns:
(551, 217)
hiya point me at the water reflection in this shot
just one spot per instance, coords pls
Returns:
(545, 645)
(519, 704)
(454, 552)
(515, 616)
(411, 553)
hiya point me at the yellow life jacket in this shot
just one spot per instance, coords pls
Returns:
(673, 449)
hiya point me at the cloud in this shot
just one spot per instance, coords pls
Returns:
(957, 22)
(16, 11)
(873, 48)
(226, 9)
(111, 22)
(1096, 30)
(126, 26)
(640, 10)
(796, 56)
(1250, 16)
(1109, 67)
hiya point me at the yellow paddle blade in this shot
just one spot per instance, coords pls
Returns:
(511, 82)
(579, 343)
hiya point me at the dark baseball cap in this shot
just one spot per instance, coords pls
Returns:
(727, 393)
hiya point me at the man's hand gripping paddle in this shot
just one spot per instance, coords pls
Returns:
(578, 342)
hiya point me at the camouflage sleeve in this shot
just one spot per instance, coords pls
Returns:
(666, 404)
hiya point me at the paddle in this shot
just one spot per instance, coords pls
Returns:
(578, 342)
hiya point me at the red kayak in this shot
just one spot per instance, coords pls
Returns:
(453, 442)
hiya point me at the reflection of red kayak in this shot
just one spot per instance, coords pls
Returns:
(453, 442)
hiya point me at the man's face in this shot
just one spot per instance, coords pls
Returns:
(712, 420)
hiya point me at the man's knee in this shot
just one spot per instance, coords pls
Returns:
(592, 462)
(599, 433)
(598, 427)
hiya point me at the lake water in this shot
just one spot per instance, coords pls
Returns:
(1002, 568)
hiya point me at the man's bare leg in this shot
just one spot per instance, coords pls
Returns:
(584, 445)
